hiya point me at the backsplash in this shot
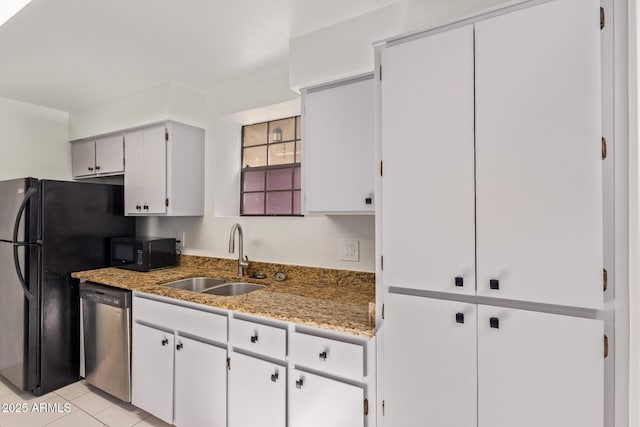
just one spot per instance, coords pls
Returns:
(292, 272)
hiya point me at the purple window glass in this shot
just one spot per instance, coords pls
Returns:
(279, 179)
(253, 203)
(297, 210)
(253, 180)
(296, 178)
(279, 203)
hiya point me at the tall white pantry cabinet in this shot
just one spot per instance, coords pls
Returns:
(490, 221)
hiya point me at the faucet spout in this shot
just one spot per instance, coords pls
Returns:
(243, 261)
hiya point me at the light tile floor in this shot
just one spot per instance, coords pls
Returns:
(77, 405)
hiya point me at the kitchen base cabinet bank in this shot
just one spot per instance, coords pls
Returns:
(194, 365)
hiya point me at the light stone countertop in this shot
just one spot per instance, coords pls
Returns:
(340, 305)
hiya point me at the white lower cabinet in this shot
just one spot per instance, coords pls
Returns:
(316, 401)
(200, 384)
(429, 362)
(459, 364)
(179, 379)
(152, 371)
(257, 392)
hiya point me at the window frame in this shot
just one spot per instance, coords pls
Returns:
(292, 167)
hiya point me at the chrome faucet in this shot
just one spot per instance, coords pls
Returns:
(243, 262)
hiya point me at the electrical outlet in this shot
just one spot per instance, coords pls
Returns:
(181, 238)
(349, 250)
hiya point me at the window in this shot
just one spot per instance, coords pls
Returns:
(271, 168)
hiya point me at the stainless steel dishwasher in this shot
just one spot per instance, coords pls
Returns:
(106, 324)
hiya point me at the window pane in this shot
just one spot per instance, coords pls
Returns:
(253, 180)
(296, 178)
(254, 157)
(282, 130)
(298, 127)
(253, 203)
(255, 134)
(281, 154)
(279, 202)
(296, 203)
(279, 179)
(299, 152)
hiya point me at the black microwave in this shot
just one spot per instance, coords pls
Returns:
(143, 254)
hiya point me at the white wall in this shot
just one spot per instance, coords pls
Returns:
(164, 101)
(345, 49)
(310, 241)
(33, 141)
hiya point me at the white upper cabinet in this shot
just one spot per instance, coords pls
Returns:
(428, 163)
(96, 157)
(165, 171)
(338, 148)
(538, 155)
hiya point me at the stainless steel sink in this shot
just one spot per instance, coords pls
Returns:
(195, 284)
(233, 289)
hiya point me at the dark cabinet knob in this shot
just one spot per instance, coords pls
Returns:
(89, 168)
(459, 281)
(138, 207)
(254, 339)
(494, 284)
(494, 322)
(368, 201)
(299, 383)
(97, 168)
(165, 341)
(179, 347)
(459, 317)
(145, 207)
(274, 377)
(323, 356)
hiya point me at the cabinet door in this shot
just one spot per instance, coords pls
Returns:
(200, 384)
(110, 155)
(538, 369)
(319, 402)
(83, 158)
(257, 392)
(538, 147)
(427, 150)
(155, 170)
(429, 362)
(152, 371)
(134, 179)
(338, 147)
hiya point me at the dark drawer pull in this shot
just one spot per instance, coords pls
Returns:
(179, 347)
(494, 322)
(459, 317)
(165, 341)
(299, 383)
(274, 377)
(254, 339)
(494, 284)
(323, 356)
(459, 281)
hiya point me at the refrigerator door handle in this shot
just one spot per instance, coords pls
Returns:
(16, 244)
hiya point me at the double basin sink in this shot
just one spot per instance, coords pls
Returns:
(214, 286)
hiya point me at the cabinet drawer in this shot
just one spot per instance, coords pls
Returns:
(255, 337)
(331, 356)
(192, 321)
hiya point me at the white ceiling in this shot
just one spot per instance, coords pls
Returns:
(70, 54)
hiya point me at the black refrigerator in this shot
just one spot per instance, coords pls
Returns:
(49, 229)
